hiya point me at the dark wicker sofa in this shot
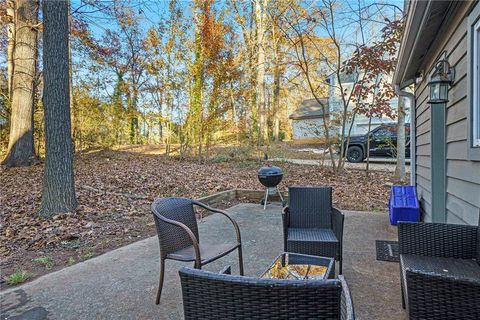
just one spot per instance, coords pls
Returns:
(440, 270)
(208, 295)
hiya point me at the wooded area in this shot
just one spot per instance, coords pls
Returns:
(105, 105)
(184, 75)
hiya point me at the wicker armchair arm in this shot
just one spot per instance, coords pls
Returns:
(234, 223)
(347, 312)
(436, 278)
(337, 223)
(196, 246)
(438, 240)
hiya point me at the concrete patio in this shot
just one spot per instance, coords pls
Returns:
(122, 284)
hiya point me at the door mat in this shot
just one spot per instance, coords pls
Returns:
(387, 250)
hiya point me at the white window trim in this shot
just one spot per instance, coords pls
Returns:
(476, 86)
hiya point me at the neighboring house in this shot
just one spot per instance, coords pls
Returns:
(445, 137)
(307, 121)
(360, 125)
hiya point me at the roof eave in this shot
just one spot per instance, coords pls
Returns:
(415, 20)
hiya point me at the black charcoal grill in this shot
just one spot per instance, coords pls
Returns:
(270, 177)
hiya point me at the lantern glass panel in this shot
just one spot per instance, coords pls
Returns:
(438, 92)
(434, 91)
(444, 91)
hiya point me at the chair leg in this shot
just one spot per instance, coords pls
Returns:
(403, 294)
(240, 260)
(160, 284)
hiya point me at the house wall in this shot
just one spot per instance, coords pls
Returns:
(462, 176)
(307, 129)
(360, 125)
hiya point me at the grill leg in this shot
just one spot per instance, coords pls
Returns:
(266, 198)
(280, 194)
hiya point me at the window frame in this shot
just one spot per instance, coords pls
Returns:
(473, 76)
(476, 85)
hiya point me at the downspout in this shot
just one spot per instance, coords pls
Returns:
(411, 98)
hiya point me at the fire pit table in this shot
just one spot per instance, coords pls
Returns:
(295, 266)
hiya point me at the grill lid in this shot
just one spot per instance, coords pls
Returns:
(270, 171)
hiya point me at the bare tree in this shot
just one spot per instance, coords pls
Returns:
(10, 14)
(22, 61)
(260, 18)
(400, 167)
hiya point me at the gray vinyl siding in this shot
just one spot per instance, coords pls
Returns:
(462, 175)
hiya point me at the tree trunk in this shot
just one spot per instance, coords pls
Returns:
(260, 20)
(276, 84)
(400, 168)
(21, 149)
(58, 179)
(73, 106)
(368, 145)
(11, 45)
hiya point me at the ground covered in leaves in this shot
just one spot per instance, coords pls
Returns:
(115, 190)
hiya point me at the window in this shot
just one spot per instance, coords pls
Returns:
(473, 77)
(476, 86)
(384, 131)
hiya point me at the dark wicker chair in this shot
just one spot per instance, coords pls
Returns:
(179, 239)
(208, 295)
(440, 270)
(311, 225)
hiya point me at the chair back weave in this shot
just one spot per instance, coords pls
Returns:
(208, 295)
(310, 207)
(171, 237)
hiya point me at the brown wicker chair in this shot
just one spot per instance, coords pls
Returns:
(179, 239)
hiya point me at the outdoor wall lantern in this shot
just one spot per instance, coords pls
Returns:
(440, 81)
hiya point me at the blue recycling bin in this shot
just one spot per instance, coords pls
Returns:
(403, 204)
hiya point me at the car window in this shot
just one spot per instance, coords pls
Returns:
(382, 132)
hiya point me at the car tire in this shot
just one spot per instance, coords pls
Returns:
(355, 154)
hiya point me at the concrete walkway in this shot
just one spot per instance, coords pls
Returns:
(376, 164)
(122, 284)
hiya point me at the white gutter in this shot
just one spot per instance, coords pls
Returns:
(413, 138)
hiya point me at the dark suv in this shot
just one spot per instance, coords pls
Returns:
(383, 143)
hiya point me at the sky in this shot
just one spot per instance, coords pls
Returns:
(154, 10)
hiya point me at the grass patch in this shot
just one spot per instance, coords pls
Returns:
(87, 255)
(248, 164)
(71, 261)
(18, 277)
(220, 158)
(45, 261)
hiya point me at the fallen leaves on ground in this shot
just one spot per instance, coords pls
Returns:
(115, 189)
